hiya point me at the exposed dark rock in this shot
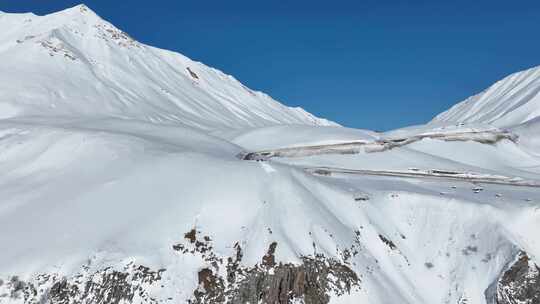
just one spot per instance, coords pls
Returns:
(210, 287)
(109, 33)
(102, 286)
(202, 246)
(361, 197)
(469, 250)
(487, 258)
(191, 235)
(268, 259)
(388, 242)
(312, 281)
(518, 284)
(62, 292)
(192, 74)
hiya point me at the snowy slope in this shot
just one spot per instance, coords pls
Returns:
(529, 134)
(81, 196)
(122, 182)
(511, 101)
(74, 63)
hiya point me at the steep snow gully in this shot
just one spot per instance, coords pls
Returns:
(131, 174)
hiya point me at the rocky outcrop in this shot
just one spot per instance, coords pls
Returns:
(103, 286)
(220, 280)
(226, 280)
(518, 284)
(313, 281)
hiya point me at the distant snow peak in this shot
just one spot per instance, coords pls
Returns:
(510, 101)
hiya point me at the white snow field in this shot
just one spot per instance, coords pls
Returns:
(124, 180)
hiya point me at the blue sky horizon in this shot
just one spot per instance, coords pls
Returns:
(369, 65)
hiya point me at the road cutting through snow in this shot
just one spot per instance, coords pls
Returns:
(438, 174)
(490, 136)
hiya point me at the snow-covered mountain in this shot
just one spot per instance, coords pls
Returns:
(73, 63)
(134, 175)
(511, 101)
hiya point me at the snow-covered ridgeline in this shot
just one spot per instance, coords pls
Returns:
(510, 101)
(73, 63)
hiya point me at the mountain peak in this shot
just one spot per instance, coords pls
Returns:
(113, 75)
(80, 11)
(512, 100)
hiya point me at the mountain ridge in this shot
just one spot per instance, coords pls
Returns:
(123, 78)
(513, 100)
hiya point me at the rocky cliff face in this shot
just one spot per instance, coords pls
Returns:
(223, 280)
(311, 282)
(518, 284)
(103, 286)
(510, 101)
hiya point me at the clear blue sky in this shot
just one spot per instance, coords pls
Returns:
(364, 64)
